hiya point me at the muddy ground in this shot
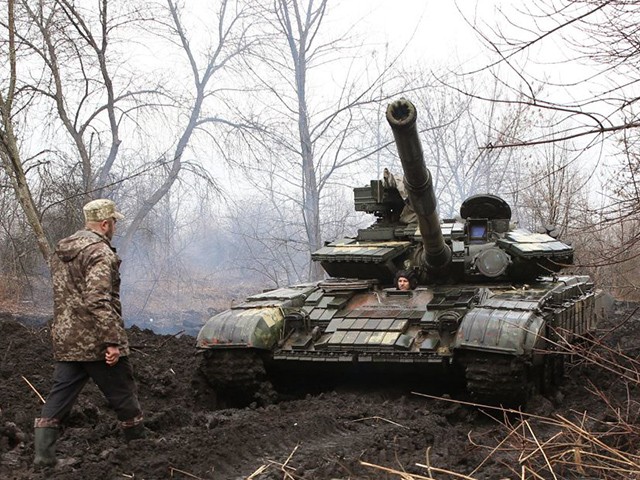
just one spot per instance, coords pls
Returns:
(344, 433)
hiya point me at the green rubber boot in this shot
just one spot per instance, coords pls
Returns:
(45, 446)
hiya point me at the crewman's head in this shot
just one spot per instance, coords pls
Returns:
(405, 280)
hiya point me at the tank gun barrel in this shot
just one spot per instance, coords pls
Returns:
(402, 116)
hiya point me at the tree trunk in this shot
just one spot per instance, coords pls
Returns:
(10, 154)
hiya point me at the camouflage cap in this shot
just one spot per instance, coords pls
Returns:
(101, 209)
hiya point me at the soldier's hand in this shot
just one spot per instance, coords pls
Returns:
(112, 355)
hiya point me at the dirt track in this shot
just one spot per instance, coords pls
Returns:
(331, 435)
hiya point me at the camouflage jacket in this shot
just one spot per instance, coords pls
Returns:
(87, 313)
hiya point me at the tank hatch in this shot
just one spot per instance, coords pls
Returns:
(485, 206)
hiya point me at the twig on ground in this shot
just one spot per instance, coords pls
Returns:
(290, 456)
(190, 475)
(539, 448)
(414, 476)
(526, 470)
(284, 468)
(448, 472)
(494, 450)
(258, 471)
(33, 388)
(4, 357)
(481, 405)
(164, 342)
(379, 418)
(403, 475)
(428, 461)
(137, 349)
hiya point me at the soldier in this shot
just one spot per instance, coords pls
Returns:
(88, 335)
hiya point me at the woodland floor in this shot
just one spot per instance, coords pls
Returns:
(362, 432)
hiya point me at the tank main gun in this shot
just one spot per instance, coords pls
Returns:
(402, 115)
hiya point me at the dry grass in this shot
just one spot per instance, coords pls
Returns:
(603, 444)
(25, 296)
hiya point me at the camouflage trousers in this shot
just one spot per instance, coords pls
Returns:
(115, 382)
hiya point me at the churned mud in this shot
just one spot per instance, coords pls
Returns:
(364, 432)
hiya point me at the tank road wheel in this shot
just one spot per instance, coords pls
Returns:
(237, 376)
(499, 379)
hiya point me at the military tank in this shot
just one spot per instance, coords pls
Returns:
(490, 307)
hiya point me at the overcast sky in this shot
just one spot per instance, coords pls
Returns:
(436, 29)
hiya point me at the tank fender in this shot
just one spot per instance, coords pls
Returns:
(500, 331)
(255, 327)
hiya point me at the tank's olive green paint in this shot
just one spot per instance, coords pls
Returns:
(489, 304)
(255, 327)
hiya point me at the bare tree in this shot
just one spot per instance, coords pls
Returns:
(592, 44)
(303, 139)
(455, 129)
(79, 100)
(271, 246)
(65, 111)
(114, 99)
(271, 242)
(233, 40)
(576, 62)
(554, 196)
(10, 154)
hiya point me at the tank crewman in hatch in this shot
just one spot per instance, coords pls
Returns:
(88, 335)
(405, 280)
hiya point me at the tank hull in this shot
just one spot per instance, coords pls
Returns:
(500, 341)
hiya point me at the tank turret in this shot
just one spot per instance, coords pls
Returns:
(482, 245)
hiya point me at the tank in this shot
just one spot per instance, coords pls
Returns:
(488, 308)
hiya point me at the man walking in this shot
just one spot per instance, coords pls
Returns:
(88, 335)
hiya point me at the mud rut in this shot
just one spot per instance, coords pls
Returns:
(318, 436)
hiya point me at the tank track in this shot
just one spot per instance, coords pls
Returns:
(238, 377)
(499, 379)
(510, 381)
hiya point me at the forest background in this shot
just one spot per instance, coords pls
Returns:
(231, 134)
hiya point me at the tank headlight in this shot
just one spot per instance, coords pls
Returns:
(492, 262)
